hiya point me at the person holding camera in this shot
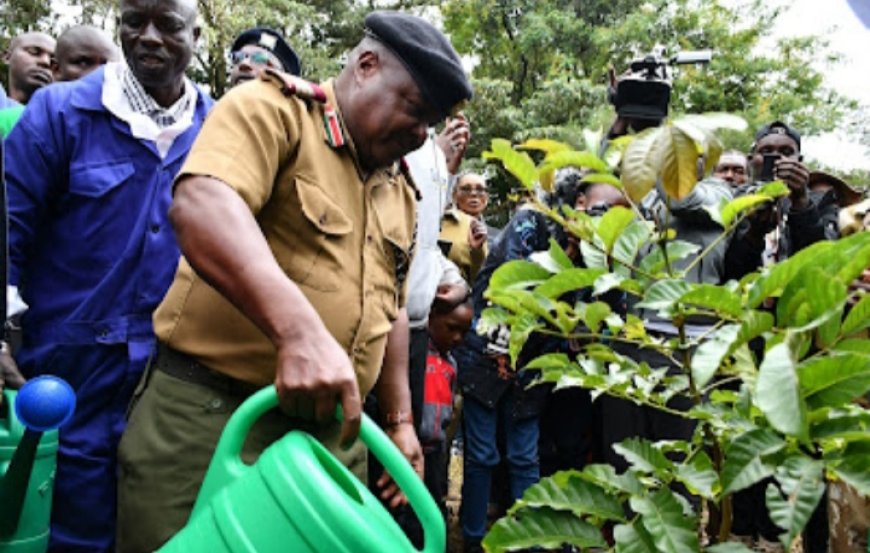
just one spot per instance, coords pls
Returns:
(791, 224)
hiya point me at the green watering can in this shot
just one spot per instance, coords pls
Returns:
(28, 448)
(298, 498)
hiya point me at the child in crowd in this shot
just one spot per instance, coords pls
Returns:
(448, 323)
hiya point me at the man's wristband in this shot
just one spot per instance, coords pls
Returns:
(396, 418)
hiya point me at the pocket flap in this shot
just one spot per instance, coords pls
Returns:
(321, 210)
(95, 180)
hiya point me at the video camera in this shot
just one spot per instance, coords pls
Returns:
(645, 91)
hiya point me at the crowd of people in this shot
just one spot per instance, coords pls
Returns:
(169, 255)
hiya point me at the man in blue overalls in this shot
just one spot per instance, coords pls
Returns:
(90, 169)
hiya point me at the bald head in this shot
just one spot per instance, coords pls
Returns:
(29, 59)
(80, 50)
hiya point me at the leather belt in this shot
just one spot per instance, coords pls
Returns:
(184, 367)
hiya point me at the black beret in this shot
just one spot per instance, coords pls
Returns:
(778, 127)
(270, 40)
(427, 54)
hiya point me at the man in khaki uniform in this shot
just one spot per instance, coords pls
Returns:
(296, 221)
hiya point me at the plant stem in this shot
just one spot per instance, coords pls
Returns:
(725, 233)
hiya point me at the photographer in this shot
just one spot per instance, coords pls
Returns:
(795, 222)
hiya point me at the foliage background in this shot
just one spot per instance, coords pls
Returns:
(539, 66)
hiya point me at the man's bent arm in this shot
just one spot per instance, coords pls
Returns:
(221, 240)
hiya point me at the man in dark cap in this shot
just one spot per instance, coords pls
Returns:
(296, 220)
(257, 49)
(780, 230)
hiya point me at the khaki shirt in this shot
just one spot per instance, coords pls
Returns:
(345, 239)
(454, 229)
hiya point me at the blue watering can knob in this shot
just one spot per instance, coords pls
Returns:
(45, 403)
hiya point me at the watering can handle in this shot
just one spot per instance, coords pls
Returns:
(233, 437)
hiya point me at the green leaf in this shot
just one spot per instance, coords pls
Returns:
(777, 392)
(602, 178)
(612, 224)
(709, 356)
(543, 528)
(717, 298)
(663, 294)
(517, 274)
(594, 257)
(858, 318)
(834, 380)
(521, 329)
(606, 477)
(679, 161)
(699, 476)
(654, 262)
(638, 170)
(544, 145)
(595, 313)
(643, 456)
(567, 491)
(731, 210)
(810, 298)
(853, 471)
(802, 485)
(633, 538)
(550, 361)
(854, 345)
(663, 517)
(628, 245)
(573, 158)
(568, 281)
(607, 282)
(744, 465)
(518, 164)
(554, 259)
(852, 426)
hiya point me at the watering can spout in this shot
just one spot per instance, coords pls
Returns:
(43, 404)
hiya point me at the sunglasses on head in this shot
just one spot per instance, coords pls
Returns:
(257, 58)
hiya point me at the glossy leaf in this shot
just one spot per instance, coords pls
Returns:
(544, 145)
(664, 293)
(744, 465)
(852, 426)
(554, 259)
(633, 538)
(654, 262)
(628, 245)
(800, 487)
(643, 456)
(679, 162)
(858, 318)
(810, 298)
(728, 212)
(568, 281)
(612, 225)
(853, 470)
(573, 158)
(595, 314)
(607, 282)
(545, 528)
(639, 172)
(716, 298)
(602, 178)
(517, 274)
(566, 491)
(699, 476)
(728, 547)
(711, 353)
(606, 477)
(835, 380)
(778, 392)
(521, 329)
(518, 164)
(664, 519)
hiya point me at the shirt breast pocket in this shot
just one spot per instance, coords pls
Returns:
(99, 209)
(318, 240)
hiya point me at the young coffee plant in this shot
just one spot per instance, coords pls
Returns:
(771, 381)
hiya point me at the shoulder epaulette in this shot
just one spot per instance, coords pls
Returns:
(291, 85)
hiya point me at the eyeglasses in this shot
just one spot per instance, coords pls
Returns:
(469, 190)
(257, 58)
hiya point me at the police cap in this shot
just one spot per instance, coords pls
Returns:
(272, 41)
(428, 56)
